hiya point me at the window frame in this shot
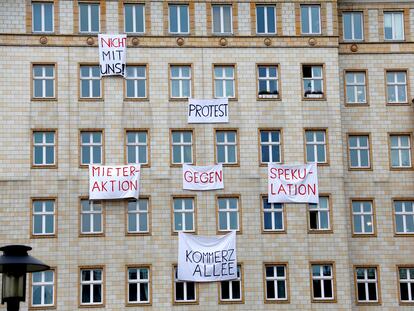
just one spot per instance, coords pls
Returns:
(185, 302)
(102, 131)
(352, 25)
(135, 130)
(194, 199)
(333, 278)
(317, 129)
(378, 285)
(281, 145)
(138, 266)
(366, 86)
(242, 292)
(373, 215)
(393, 12)
(103, 219)
(404, 302)
(410, 149)
(221, 5)
(101, 15)
(122, 19)
(55, 12)
(138, 99)
(310, 19)
(149, 218)
(394, 214)
(55, 81)
(324, 95)
(287, 283)
(43, 307)
(235, 84)
(193, 146)
(237, 149)
(284, 216)
(407, 86)
(239, 213)
(32, 145)
(80, 98)
(170, 79)
(371, 165)
(330, 216)
(179, 32)
(103, 283)
(266, 33)
(277, 97)
(55, 218)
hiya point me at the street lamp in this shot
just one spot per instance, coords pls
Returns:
(14, 264)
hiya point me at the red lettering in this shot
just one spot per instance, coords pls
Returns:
(219, 176)
(125, 171)
(95, 186)
(187, 176)
(109, 171)
(96, 169)
(312, 189)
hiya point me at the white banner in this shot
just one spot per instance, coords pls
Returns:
(112, 54)
(114, 182)
(292, 183)
(203, 177)
(208, 110)
(207, 259)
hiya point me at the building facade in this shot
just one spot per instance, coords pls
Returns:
(325, 81)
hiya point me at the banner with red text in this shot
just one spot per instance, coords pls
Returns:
(203, 177)
(112, 54)
(292, 183)
(207, 259)
(208, 110)
(114, 182)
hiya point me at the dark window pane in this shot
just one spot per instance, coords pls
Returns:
(404, 291)
(327, 286)
(317, 289)
(132, 292)
(361, 292)
(236, 289)
(190, 291)
(270, 287)
(225, 293)
(372, 291)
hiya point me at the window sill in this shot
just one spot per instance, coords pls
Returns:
(331, 300)
(44, 99)
(178, 99)
(92, 306)
(364, 235)
(320, 231)
(401, 169)
(360, 169)
(276, 301)
(350, 105)
(42, 236)
(90, 99)
(276, 98)
(136, 99)
(137, 304)
(42, 307)
(274, 231)
(91, 235)
(398, 104)
(86, 166)
(186, 302)
(368, 303)
(229, 302)
(322, 98)
(132, 234)
(403, 235)
(48, 167)
(229, 164)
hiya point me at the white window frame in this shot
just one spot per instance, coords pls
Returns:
(273, 210)
(355, 85)
(353, 14)
(322, 279)
(364, 216)
(312, 80)
(181, 78)
(265, 7)
(42, 285)
(359, 149)
(230, 284)
(309, 11)
(179, 17)
(222, 6)
(139, 281)
(365, 281)
(90, 79)
(44, 146)
(227, 212)
(90, 144)
(43, 78)
(395, 84)
(275, 279)
(181, 213)
(223, 80)
(95, 208)
(134, 7)
(394, 26)
(317, 208)
(43, 17)
(136, 145)
(91, 284)
(185, 289)
(400, 148)
(410, 284)
(314, 144)
(227, 145)
(89, 6)
(404, 214)
(268, 79)
(137, 212)
(44, 214)
(270, 143)
(136, 79)
(182, 146)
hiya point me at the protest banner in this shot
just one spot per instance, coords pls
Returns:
(203, 177)
(207, 259)
(112, 54)
(208, 110)
(292, 183)
(114, 182)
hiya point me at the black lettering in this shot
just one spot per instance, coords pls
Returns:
(223, 269)
(190, 109)
(197, 270)
(224, 255)
(200, 257)
(187, 256)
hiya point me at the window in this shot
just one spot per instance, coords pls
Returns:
(359, 152)
(265, 19)
(136, 82)
(362, 217)
(43, 289)
(138, 285)
(268, 82)
(182, 147)
(353, 26)
(276, 282)
(184, 292)
(404, 217)
(184, 214)
(310, 19)
(224, 82)
(43, 213)
(91, 286)
(89, 17)
(273, 216)
(406, 283)
(44, 148)
(91, 148)
(316, 146)
(367, 284)
(355, 87)
(179, 18)
(228, 214)
(43, 81)
(396, 87)
(319, 215)
(90, 80)
(312, 81)
(134, 18)
(400, 151)
(322, 282)
(270, 141)
(232, 290)
(393, 26)
(226, 147)
(137, 147)
(180, 79)
(138, 216)
(42, 19)
(91, 217)
(222, 19)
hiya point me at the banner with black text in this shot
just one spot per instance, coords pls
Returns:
(112, 54)
(208, 110)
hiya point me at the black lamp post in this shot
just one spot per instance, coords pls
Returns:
(14, 264)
